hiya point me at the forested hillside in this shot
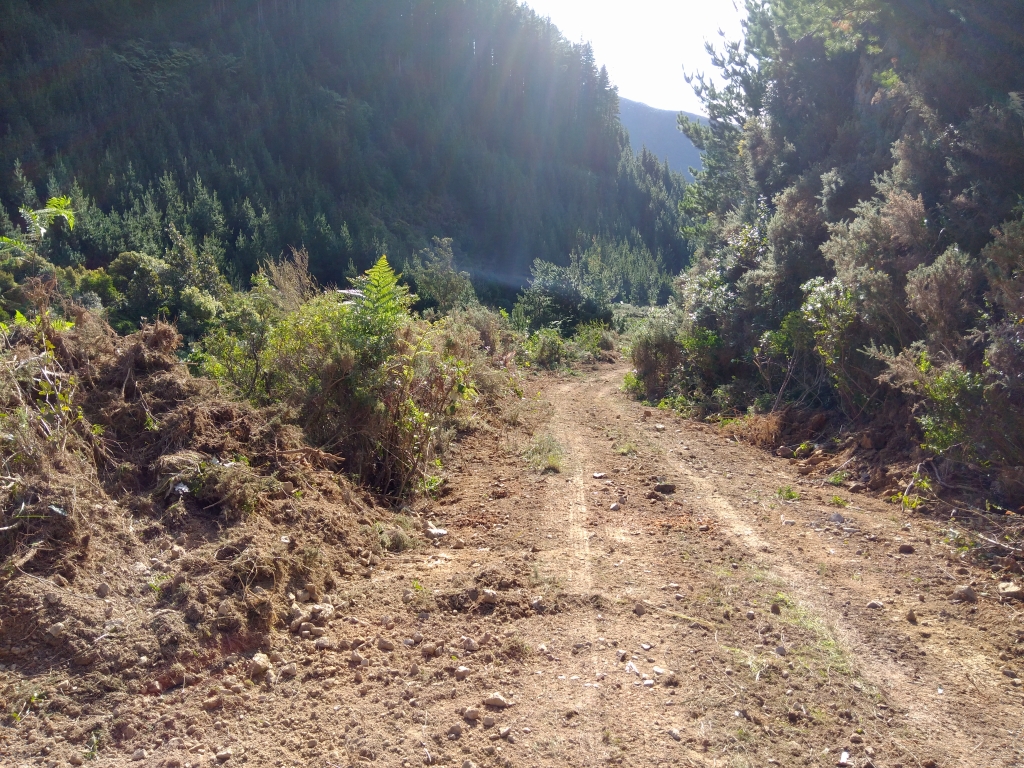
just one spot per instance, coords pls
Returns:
(658, 131)
(351, 128)
(859, 225)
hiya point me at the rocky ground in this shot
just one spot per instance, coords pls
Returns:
(668, 597)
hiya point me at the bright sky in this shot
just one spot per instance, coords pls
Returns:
(646, 44)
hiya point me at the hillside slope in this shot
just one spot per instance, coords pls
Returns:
(351, 128)
(657, 130)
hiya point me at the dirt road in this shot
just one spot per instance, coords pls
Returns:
(583, 618)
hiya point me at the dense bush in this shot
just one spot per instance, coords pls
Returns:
(857, 225)
(362, 376)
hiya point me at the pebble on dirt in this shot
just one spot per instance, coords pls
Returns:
(496, 700)
(965, 593)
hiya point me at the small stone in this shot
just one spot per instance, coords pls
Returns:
(258, 666)
(659, 427)
(600, 475)
(436, 533)
(468, 764)
(615, 507)
(674, 733)
(876, 604)
(103, 590)
(462, 673)
(472, 714)
(776, 609)
(750, 615)
(639, 609)
(488, 721)
(911, 616)
(856, 738)
(56, 630)
(781, 650)
(906, 549)
(214, 702)
(455, 731)
(469, 644)
(224, 755)
(139, 754)
(288, 671)
(665, 488)
(489, 597)
(504, 732)
(1010, 591)
(76, 760)
(835, 517)
(703, 528)
(323, 644)
(384, 644)
(496, 700)
(965, 594)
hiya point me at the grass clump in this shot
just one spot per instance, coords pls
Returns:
(544, 454)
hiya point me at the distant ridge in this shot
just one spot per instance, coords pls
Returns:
(656, 129)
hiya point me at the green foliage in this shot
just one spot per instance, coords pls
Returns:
(378, 137)
(786, 493)
(836, 242)
(593, 339)
(953, 400)
(546, 349)
(656, 356)
(438, 283)
(364, 378)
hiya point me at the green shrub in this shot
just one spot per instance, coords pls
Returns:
(544, 454)
(656, 357)
(592, 339)
(438, 283)
(546, 348)
(953, 403)
(363, 377)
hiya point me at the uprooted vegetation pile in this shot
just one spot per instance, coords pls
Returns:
(124, 475)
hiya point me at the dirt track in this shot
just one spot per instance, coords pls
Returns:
(715, 625)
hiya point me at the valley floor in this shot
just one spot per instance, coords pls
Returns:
(709, 624)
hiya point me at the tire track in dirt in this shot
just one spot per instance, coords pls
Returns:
(572, 561)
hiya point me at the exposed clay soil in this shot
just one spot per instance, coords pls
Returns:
(715, 624)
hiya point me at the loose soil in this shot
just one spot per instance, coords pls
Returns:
(715, 623)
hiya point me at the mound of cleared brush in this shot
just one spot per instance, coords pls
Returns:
(150, 522)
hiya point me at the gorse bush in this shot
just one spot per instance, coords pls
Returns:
(864, 255)
(656, 356)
